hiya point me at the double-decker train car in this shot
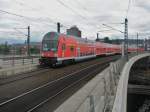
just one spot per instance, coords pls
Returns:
(60, 48)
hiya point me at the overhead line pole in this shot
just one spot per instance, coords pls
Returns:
(28, 41)
(28, 38)
(149, 44)
(58, 27)
(126, 39)
(137, 42)
(97, 35)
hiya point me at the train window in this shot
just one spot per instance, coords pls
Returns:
(49, 45)
(63, 46)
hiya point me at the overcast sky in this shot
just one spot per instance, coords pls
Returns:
(88, 15)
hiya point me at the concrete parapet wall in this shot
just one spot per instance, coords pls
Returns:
(97, 95)
(1, 63)
(121, 95)
(4, 73)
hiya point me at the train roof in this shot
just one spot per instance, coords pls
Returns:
(51, 35)
(84, 40)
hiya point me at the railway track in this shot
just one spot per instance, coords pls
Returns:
(21, 85)
(40, 71)
(35, 98)
(139, 89)
(22, 76)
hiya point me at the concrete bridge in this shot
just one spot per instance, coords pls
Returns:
(108, 91)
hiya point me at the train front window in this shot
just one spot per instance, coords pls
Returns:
(50, 45)
(50, 42)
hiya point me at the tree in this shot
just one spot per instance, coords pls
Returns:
(34, 50)
(107, 40)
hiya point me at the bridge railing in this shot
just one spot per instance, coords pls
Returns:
(121, 94)
(98, 95)
(7, 62)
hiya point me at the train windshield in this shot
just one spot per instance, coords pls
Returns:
(50, 42)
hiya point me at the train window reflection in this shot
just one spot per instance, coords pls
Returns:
(49, 45)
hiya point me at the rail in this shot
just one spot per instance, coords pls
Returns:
(98, 95)
(48, 91)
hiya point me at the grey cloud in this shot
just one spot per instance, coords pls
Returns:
(96, 13)
(144, 4)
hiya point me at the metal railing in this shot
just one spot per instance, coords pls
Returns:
(9, 61)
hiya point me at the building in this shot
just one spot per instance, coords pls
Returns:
(74, 31)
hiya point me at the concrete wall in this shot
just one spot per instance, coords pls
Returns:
(18, 62)
(121, 95)
(4, 73)
(1, 63)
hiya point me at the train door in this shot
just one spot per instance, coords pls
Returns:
(72, 50)
(78, 51)
(63, 49)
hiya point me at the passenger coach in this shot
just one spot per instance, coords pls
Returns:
(60, 49)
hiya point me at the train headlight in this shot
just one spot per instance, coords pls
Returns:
(42, 54)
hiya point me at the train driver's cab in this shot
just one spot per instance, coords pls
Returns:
(50, 44)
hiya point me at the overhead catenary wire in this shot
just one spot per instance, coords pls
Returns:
(13, 14)
(20, 31)
(12, 33)
(81, 5)
(105, 30)
(21, 3)
(25, 17)
(19, 15)
(128, 9)
(113, 28)
(66, 6)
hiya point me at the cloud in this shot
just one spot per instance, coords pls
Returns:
(88, 15)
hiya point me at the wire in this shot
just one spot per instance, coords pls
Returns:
(66, 6)
(12, 13)
(116, 23)
(21, 3)
(105, 30)
(20, 31)
(82, 6)
(20, 28)
(113, 28)
(129, 3)
(10, 33)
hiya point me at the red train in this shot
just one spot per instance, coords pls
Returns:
(60, 48)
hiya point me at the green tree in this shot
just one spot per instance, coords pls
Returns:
(34, 50)
(107, 40)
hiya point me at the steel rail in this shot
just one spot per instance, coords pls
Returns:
(52, 82)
